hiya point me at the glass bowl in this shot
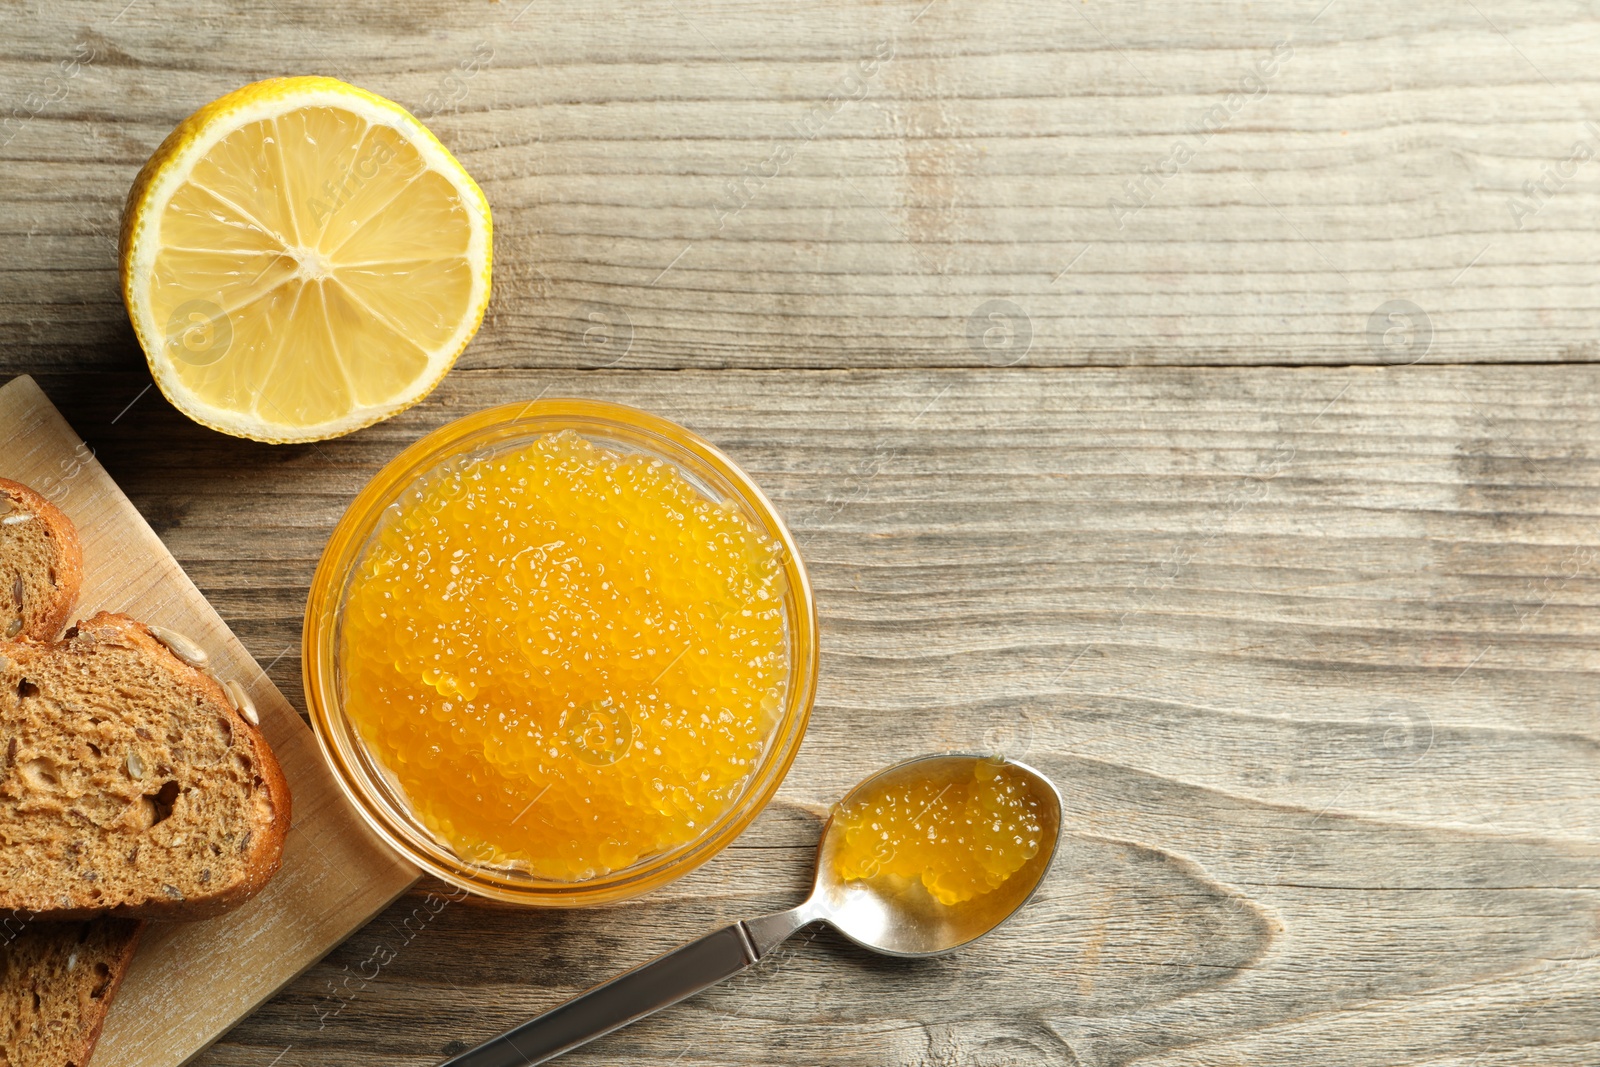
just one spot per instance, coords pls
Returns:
(623, 430)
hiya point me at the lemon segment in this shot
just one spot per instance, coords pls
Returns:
(302, 258)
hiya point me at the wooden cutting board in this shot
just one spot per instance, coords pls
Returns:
(192, 981)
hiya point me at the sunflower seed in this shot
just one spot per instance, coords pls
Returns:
(14, 628)
(242, 703)
(13, 520)
(16, 591)
(181, 646)
(135, 766)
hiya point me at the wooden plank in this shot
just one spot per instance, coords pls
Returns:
(190, 982)
(1310, 652)
(819, 184)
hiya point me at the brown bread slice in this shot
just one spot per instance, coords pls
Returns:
(57, 981)
(41, 564)
(128, 782)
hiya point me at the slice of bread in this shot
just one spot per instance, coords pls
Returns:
(129, 785)
(57, 981)
(41, 564)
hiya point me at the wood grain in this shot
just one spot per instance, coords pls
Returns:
(819, 184)
(190, 982)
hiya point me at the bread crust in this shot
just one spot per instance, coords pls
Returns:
(69, 558)
(266, 840)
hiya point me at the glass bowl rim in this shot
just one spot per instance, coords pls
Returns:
(335, 735)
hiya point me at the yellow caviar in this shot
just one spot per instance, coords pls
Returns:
(569, 659)
(961, 832)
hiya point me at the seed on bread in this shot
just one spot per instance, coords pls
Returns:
(242, 703)
(182, 647)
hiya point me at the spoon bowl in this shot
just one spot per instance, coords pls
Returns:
(913, 924)
(879, 914)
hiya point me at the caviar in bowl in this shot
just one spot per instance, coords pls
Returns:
(560, 653)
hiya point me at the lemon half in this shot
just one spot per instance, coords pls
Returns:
(302, 258)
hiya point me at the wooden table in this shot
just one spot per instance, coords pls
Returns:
(1199, 400)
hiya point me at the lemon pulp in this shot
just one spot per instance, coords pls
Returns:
(958, 832)
(302, 258)
(570, 660)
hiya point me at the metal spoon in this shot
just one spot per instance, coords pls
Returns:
(890, 923)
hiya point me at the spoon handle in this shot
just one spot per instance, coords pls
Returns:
(627, 998)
